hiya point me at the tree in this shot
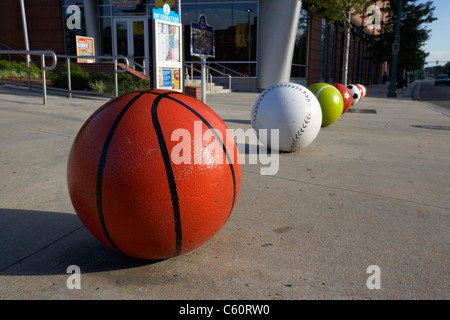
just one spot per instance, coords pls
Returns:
(435, 70)
(341, 10)
(413, 35)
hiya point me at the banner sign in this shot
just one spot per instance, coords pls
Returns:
(202, 38)
(165, 14)
(161, 3)
(125, 4)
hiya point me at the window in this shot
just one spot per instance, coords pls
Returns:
(332, 62)
(235, 25)
(299, 62)
(235, 31)
(323, 50)
(351, 59)
(74, 24)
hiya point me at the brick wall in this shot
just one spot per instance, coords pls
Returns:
(195, 92)
(11, 25)
(44, 22)
(314, 49)
(89, 67)
(339, 53)
(364, 71)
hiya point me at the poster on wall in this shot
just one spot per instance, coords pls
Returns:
(169, 41)
(85, 47)
(168, 55)
(169, 79)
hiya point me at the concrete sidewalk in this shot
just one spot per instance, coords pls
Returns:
(372, 189)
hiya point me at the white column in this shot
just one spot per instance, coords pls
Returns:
(92, 24)
(278, 23)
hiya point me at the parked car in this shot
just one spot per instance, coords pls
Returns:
(442, 79)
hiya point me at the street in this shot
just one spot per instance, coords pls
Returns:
(439, 95)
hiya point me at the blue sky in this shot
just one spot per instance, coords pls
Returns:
(439, 44)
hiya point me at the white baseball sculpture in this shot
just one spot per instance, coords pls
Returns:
(293, 110)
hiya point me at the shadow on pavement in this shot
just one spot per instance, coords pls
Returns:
(238, 121)
(47, 243)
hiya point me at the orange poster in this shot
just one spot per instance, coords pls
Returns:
(85, 47)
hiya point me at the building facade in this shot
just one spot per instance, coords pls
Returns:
(257, 42)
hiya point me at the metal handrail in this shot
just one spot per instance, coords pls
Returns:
(42, 54)
(231, 70)
(210, 76)
(223, 74)
(192, 70)
(142, 66)
(2, 44)
(116, 70)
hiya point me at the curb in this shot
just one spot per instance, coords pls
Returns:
(415, 90)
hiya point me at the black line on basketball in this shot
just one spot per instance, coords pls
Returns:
(169, 172)
(101, 166)
(230, 162)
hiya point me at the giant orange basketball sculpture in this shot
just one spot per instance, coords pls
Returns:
(346, 95)
(129, 190)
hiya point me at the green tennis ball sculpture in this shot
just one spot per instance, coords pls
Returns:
(330, 100)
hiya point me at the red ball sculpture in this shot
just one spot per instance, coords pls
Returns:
(346, 95)
(360, 87)
(154, 174)
(363, 90)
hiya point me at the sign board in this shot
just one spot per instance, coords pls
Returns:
(85, 47)
(167, 46)
(202, 38)
(165, 14)
(169, 79)
(395, 48)
(161, 3)
(125, 4)
(241, 35)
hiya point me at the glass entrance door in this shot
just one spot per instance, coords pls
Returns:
(131, 41)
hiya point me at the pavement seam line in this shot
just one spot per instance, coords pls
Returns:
(37, 130)
(353, 191)
(41, 249)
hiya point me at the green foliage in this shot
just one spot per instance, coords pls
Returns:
(101, 76)
(101, 86)
(413, 34)
(79, 78)
(338, 10)
(99, 81)
(435, 70)
(143, 84)
(126, 84)
(13, 69)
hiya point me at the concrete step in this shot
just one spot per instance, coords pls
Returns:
(210, 88)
